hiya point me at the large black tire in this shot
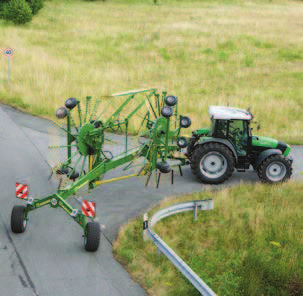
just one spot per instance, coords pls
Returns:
(192, 168)
(92, 236)
(212, 163)
(275, 169)
(18, 221)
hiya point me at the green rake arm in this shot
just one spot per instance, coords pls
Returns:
(59, 199)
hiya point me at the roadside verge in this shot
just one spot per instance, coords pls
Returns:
(251, 241)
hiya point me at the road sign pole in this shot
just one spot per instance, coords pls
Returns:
(8, 70)
(8, 52)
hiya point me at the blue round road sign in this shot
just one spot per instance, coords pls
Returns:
(8, 52)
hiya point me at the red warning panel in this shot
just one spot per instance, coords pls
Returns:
(89, 208)
(21, 191)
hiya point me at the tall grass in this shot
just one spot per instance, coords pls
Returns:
(246, 55)
(250, 244)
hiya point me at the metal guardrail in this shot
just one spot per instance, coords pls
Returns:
(204, 205)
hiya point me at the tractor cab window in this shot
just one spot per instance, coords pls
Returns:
(219, 128)
(238, 135)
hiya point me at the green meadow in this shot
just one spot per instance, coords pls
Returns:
(244, 54)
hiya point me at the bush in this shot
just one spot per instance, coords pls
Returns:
(17, 11)
(2, 3)
(35, 5)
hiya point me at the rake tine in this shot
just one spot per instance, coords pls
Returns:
(148, 178)
(158, 181)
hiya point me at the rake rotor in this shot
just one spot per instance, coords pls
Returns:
(156, 125)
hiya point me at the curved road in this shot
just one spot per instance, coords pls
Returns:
(48, 259)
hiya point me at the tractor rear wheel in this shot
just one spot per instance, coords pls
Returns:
(212, 163)
(274, 169)
(92, 236)
(18, 221)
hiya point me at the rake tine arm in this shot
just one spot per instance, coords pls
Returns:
(118, 111)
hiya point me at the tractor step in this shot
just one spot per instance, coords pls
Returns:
(241, 170)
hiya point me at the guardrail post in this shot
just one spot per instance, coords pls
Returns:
(211, 204)
(145, 226)
(196, 211)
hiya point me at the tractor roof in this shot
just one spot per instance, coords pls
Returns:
(223, 112)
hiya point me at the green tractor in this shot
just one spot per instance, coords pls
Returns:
(214, 153)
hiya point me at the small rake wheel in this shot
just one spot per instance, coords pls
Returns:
(18, 220)
(92, 236)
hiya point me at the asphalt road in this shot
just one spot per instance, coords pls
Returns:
(49, 259)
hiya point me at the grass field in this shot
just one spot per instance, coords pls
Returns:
(250, 244)
(242, 54)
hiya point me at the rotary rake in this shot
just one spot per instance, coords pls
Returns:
(150, 115)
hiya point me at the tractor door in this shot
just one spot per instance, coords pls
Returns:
(219, 128)
(238, 136)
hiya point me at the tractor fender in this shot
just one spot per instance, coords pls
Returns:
(221, 141)
(263, 155)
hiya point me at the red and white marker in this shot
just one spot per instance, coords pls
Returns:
(89, 208)
(21, 191)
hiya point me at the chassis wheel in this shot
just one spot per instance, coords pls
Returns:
(212, 163)
(92, 236)
(182, 142)
(171, 101)
(18, 221)
(166, 111)
(163, 167)
(274, 169)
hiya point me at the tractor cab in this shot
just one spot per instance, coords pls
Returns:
(231, 124)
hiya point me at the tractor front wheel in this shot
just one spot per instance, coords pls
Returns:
(18, 220)
(274, 169)
(212, 163)
(92, 236)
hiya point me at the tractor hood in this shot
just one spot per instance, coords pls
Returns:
(202, 132)
(265, 142)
